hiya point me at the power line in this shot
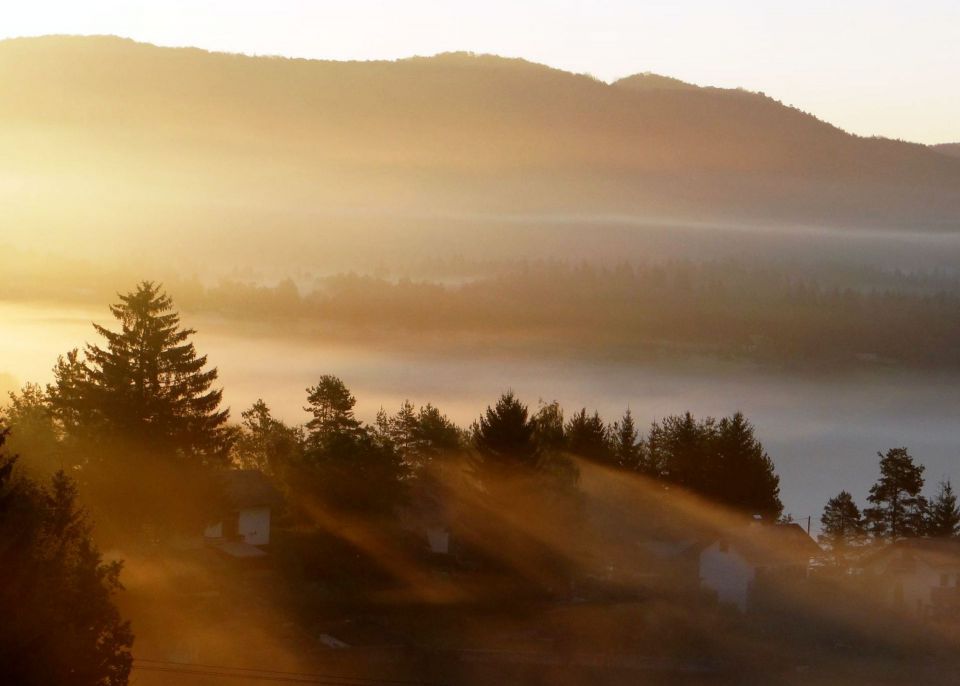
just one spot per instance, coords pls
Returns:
(269, 674)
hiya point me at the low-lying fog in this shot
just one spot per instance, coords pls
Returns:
(274, 246)
(822, 432)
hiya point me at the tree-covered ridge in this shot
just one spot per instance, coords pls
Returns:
(778, 315)
(456, 132)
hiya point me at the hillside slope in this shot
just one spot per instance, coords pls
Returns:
(101, 132)
(952, 149)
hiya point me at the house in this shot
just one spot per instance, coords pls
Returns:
(248, 501)
(920, 576)
(739, 566)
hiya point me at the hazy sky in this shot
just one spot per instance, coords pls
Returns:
(887, 67)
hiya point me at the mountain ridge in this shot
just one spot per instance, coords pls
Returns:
(453, 131)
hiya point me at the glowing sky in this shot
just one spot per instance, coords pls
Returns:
(880, 67)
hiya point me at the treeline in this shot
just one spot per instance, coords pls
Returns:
(780, 315)
(147, 399)
(366, 467)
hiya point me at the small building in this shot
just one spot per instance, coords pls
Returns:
(249, 501)
(739, 566)
(920, 576)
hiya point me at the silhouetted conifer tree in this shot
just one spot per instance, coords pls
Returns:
(587, 437)
(504, 437)
(943, 520)
(147, 385)
(625, 443)
(897, 508)
(679, 450)
(841, 525)
(741, 473)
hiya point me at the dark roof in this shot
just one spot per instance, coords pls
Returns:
(765, 545)
(244, 488)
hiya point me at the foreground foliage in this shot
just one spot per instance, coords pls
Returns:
(59, 624)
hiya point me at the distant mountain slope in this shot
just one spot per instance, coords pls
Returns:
(952, 149)
(648, 81)
(104, 132)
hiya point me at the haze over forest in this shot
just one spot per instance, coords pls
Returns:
(599, 335)
(399, 206)
(196, 152)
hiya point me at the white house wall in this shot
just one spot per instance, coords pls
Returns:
(253, 525)
(727, 573)
(439, 540)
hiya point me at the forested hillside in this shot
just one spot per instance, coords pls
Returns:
(107, 137)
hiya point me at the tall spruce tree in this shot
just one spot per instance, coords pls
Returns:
(147, 384)
(504, 437)
(587, 437)
(741, 472)
(897, 509)
(841, 524)
(943, 519)
(625, 443)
